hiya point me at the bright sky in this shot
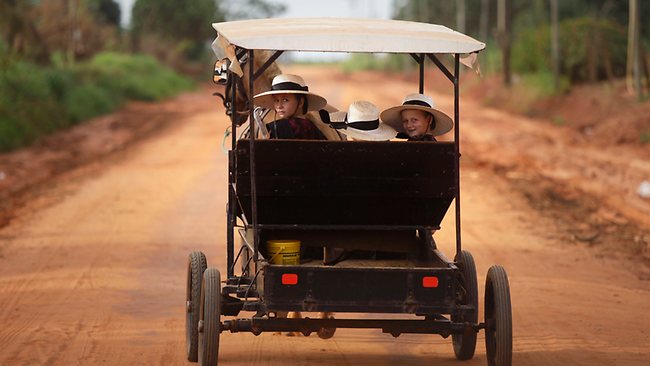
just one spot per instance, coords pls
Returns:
(311, 8)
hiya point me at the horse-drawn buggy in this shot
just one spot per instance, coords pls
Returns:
(378, 202)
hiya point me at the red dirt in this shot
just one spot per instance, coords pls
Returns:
(27, 169)
(92, 259)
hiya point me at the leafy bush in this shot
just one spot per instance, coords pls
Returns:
(35, 100)
(590, 49)
(87, 101)
(135, 77)
(28, 107)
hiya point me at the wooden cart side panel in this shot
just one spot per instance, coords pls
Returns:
(348, 183)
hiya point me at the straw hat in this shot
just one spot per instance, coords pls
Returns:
(289, 84)
(392, 116)
(361, 122)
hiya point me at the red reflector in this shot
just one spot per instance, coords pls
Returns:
(429, 281)
(289, 279)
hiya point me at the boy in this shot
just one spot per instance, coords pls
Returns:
(417, 119)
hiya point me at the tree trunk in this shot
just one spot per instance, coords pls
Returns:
(423, 10)
(633, 65)
(555, 45)
(484, 20)
(413, 11)
(644, 66)
(460, 16)
(503, 35)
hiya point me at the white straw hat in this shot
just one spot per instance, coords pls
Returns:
(289, 84)
(361, 122)
(393, 117)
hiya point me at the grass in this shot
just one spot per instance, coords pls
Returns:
(36, 100)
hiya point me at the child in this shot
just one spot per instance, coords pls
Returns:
(290, 99)
(416, 119)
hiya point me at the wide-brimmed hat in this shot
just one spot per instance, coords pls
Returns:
(289, 84)
(393, 116)
(361, 122)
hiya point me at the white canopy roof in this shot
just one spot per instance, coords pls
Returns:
(345, 35)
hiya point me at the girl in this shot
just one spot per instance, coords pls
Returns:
(290, 99)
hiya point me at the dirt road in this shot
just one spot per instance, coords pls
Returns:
(92, 271)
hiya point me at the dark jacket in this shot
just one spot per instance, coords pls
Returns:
(294, 128)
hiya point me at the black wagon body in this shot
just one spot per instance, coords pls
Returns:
(378, 202)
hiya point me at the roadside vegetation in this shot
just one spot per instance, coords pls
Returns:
(65, 62)
(37, 100)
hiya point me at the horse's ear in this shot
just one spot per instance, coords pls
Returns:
(324, 116)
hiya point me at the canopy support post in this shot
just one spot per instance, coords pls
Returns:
(422, 60)
(415, 56)
(457, 145)
(253, 130)
(441, 66)
(232, 203)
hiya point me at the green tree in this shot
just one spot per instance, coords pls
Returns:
(174, 20)
(43, 29)
(107, 11)
(18, 30)
(252, 9)
(186, 24)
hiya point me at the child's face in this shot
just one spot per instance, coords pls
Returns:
(286, 105)
(416, 122)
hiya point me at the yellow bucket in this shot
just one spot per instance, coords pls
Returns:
(283, 251)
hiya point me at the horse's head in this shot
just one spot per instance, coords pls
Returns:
(233, 72)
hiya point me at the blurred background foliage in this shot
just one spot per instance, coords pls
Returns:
(592, 40)
(593, 34)
(63, 61)
(37, 100)
(591, 49)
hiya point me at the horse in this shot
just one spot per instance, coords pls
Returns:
(233, 72)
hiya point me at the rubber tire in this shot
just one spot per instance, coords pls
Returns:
(196, 264)
(498, 316)
(210, 317)
(465, 344)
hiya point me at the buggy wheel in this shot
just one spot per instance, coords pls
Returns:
(210, 318)
(498, 317)
(196, 264)
(465, 344)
